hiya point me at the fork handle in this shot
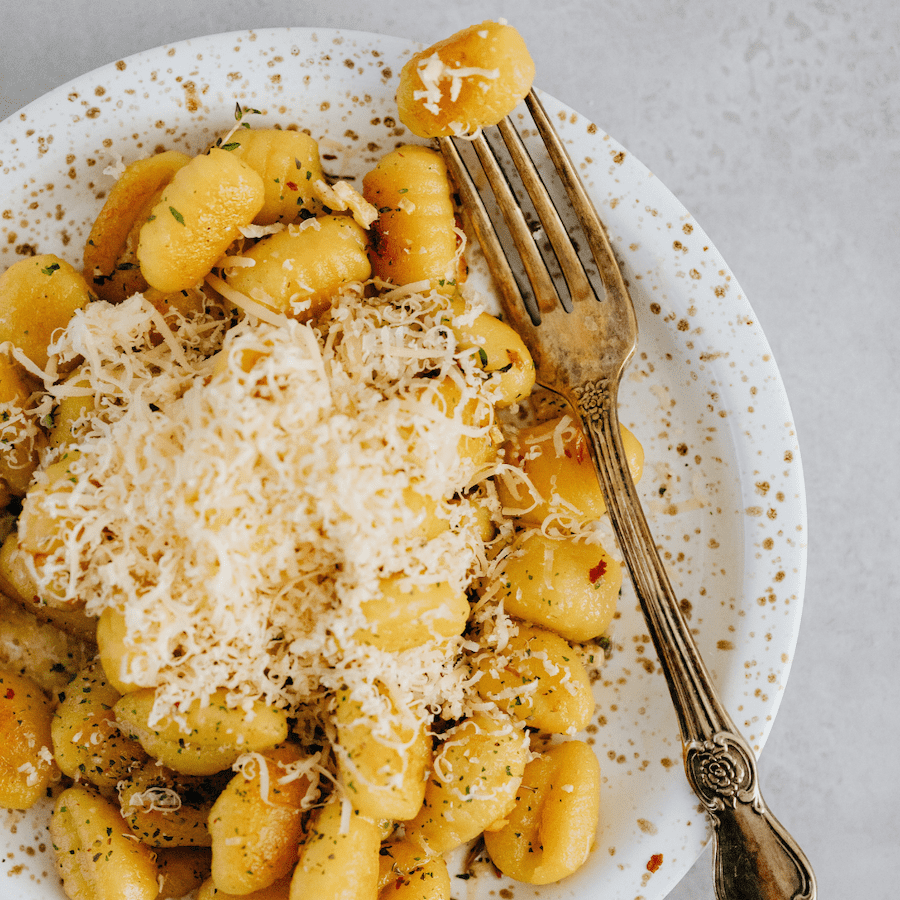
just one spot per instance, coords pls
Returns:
(754, 857)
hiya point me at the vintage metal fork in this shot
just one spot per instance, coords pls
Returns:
(580, 353)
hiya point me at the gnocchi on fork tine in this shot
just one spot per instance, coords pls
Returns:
(580, 355)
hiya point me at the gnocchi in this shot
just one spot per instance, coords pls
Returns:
(383, 775)
(87, 743)
(465, 82)
(196, 218)
(402, 616)
(182, 870)
(279, 890)
(538, 678)
(501, 351)
(166, 809)
(296, 271)
(118, 650)
(38, 297)
(551, 829)
(567, 585)
(255, 824)
(408, 873)
(98, 857)
(17, 582)
(20, 438)
(339, 857)
(38, 649)
(556, 476)
(27, 766)
(110, 260)
(70, 410)
(211, 738)
(475, 776)
(415, 237)
(288, 163)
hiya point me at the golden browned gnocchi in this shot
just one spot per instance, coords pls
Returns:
(407, 872)
(118, 650)
(87, 743)
(70, 411)
(166, 809)
(255, 824)
(339, 857)
(415, 237)
(568, 585)
(198, 215)
(465, 82)
(403, 615)
(559, 478)
(473, 782)
(27, 767)
(288, 163)
(38, 297)
(382, 775)
(21, 439)
(551, 829)
(17, 583)
(110, 253)
(538, 678)
(97, 856)
(181, 871)
(34, 647)
(296, 271)
(43, 524)
(280, 890)
(432, 517)
(477, 444)
(501, 351)
(212, 737)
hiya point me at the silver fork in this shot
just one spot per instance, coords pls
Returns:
(580, 354)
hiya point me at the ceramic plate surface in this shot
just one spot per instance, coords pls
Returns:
(722, 484)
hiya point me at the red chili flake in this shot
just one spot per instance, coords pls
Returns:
(597, 572)
(10, 693)
(292, 186)
(655, 862)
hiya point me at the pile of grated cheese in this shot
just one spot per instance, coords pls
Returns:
(237, 492)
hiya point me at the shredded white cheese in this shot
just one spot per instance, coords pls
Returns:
(238, 495)
(341, 196)
(432, 70)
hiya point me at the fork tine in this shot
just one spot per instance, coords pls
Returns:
(545, 293)
(580, 287)
(514, 303)
(595, 232)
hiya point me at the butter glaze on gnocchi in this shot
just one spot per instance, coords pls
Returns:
(329, 609)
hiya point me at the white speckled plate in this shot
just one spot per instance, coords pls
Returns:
(722, 485)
